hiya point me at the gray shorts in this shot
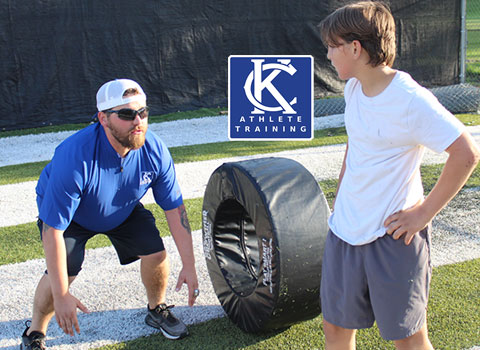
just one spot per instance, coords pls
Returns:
(384, 281)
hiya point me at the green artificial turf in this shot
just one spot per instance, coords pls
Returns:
(22, 242)
(453, 319)
(13, 238)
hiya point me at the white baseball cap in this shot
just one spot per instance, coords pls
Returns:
(111, 93)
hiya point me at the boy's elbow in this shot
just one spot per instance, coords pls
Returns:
(472, 154)
(465, 150)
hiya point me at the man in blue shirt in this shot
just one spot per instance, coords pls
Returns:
(94, 184)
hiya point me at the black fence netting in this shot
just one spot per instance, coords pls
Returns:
(56, 54)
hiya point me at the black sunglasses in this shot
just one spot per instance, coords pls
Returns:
(130, 114)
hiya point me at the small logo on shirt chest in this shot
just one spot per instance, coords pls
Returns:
(146, 177)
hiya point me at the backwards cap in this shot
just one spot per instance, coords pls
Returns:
(110, 94)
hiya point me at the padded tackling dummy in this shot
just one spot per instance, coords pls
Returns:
(264, 228)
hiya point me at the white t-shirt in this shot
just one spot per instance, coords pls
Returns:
(386, 138)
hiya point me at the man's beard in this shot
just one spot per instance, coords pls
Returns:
(130, 140)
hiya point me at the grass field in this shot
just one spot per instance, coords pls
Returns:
(453, 318)
(473, 9)
(19, 244)
(454, 311)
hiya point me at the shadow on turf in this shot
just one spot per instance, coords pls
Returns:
(217, 334)
(99, 326)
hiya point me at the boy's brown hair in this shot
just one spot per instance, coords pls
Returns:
(369, 22)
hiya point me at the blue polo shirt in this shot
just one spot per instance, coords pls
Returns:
(89, 183)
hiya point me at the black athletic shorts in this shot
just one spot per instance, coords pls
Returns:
(136, 236)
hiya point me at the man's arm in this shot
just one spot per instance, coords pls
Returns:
(180, 228)
(65, 304)
(462, 160)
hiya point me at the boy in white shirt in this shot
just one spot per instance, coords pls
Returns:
(376, 265)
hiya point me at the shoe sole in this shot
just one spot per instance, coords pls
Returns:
(152, 323)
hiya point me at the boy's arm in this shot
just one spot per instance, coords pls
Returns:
(340, 177)
(462, 160)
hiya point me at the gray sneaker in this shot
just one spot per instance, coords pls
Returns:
(162, 318)
(34, 341)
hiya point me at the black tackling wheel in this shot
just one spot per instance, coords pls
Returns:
(264, 230)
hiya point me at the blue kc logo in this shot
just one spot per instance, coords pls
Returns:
(270, 97)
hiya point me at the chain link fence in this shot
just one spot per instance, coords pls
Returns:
(472, 59)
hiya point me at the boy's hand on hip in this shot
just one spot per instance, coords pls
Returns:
(406, 223)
